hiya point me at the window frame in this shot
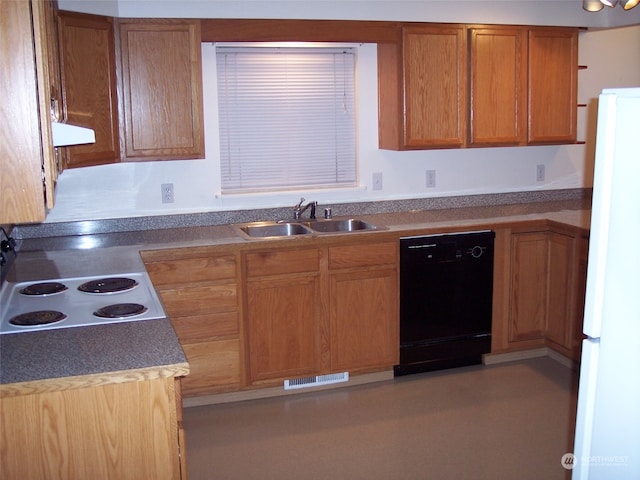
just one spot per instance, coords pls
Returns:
(352, 182)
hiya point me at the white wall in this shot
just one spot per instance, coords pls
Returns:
(527, 12)
(133, 189)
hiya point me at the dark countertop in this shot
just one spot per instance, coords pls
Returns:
(86, 352)
(124, 246)
(82, 351)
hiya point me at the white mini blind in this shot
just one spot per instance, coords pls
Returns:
(287, 118)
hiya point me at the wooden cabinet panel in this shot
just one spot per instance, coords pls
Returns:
(553, 73)
(281, 262)
(363, 255)
(329, 309)
(450, 86)
(422, 88)
(213, 367)
(284, 327)
(27, 157)
(211, 326)
(498, 85)
(200, 269)
(547, 275)
(528, 299)
(560, 302)
(87, 47)
(124, 431)
(364, 320)
(161, 89)
(199, 291)
(576, 326)
(199, 299)
(434, 61)
(390, 95)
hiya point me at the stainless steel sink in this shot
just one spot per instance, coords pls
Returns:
(261, 230)
(348, 225)
(274, 229)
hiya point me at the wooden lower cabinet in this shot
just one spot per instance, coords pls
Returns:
(284, 327)
(529, 277)
(567, 286)
(364, 306)
(321, 310)
(214, 366)
(546, 282)
(560, 304)
(362, 334)
(121, 430)
(199, 291)
(283, 313)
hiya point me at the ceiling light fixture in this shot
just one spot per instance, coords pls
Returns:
(597, 5)
(592, 5)
(629, 4)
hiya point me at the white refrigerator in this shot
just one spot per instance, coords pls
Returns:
(607, 437)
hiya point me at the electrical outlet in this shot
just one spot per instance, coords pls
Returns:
(431, 178)
(166, 190)
(377, 181)
(539, 173)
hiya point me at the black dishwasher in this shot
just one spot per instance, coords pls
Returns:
(446, 290)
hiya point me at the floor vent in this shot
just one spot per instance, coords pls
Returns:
(306, 382)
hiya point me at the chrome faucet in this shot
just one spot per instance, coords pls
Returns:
(298, 210)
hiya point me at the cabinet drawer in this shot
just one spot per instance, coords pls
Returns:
(363, 255)
(192, 270)
(197, 328)
(214, 366)
(279, 262)
(199, 300)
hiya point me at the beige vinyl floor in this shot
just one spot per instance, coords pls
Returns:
(507, 421)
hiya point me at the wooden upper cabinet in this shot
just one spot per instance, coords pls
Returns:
(553, 73)
(87, 51)
(451, 86)
(434, 60)
(27, 157)
(161, 89)
(498, 86)
(423, 88)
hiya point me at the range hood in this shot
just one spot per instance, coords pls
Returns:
(65, 134)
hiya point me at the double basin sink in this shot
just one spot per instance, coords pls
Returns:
(303, 227)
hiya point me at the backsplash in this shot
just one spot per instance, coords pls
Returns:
(134, 224)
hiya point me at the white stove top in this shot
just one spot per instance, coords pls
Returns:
(77, 306)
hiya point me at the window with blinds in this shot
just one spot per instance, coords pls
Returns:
(287, 118)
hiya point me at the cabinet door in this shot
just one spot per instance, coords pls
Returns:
(498, 78)
(284, 327)
(528, 298)
(161, 89)
(422, 89)
(364, 320)
(576, 326)
(553, 73)
(561, 289)
(124, 431)
(434, 60)
(199, 292)
(87, 48)
(27, 156)
(213, 367)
